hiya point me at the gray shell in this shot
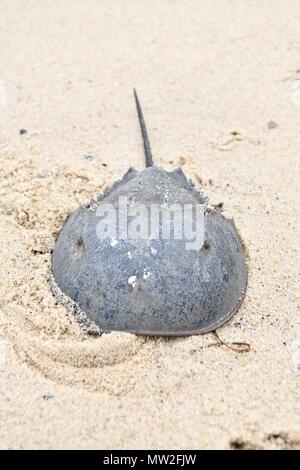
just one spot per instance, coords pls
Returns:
(175, 291)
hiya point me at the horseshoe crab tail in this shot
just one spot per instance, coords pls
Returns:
(147, 148)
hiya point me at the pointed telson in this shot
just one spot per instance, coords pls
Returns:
(147, 148)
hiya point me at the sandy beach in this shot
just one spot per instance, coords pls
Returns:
(219, 82)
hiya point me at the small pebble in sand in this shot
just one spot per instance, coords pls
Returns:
(236, 134)
(22, 131)
(272, 125)
(89, 157)
(48, 397)
(40, 247)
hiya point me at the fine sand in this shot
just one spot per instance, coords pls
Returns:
(219, 82)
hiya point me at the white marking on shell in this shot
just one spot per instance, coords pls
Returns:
(114, 242)
(132, 281)
(146, 274)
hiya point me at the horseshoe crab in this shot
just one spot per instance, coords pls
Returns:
(152, 286)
